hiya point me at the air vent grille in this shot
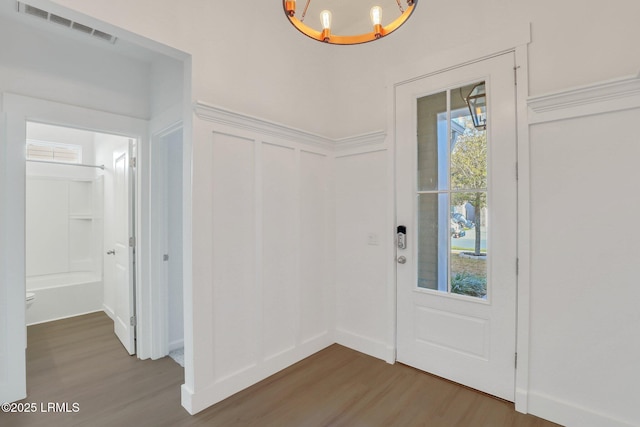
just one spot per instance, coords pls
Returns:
(60, 20)
(101, 35)
(34, 11)
(83, 28)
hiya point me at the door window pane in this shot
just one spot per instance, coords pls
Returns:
(469, 244)
(468, 154)
(433, 234)
(432, 142)
(451, 195)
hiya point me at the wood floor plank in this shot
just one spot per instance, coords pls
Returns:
(80, 360)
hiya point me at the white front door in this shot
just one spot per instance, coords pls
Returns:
(124, 247)
(456, 196)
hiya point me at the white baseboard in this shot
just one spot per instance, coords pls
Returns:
(196, 401)
(572, 415)
(186, 398)
(175, 345)
(522, 401)
(109, 311)
(365, 345)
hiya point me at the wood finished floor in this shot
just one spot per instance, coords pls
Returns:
(80, 360)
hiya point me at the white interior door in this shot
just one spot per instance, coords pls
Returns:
(124, 247)
(456, 196)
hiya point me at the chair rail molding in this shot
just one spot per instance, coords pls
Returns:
(602, 97)
(212, 113)
(373, 139)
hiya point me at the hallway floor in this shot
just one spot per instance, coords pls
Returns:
(79, 360)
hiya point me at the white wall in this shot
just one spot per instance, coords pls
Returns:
(166, 86)
(35, 63)
(13, 337)
(246, 57)
(362, 241)
(561, 55)
(47, 61)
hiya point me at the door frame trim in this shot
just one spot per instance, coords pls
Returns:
(158, 310)
(55, 113)
(514, 39)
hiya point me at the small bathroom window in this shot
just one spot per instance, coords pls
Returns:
(53, 152)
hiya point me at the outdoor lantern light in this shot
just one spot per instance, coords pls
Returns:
(477, 102)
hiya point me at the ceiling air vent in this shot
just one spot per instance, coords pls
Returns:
(82, 28)
(99, 34)
(60, 20)
(34, 11)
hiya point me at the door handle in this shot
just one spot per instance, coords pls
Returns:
(402, 259)
(111, 252)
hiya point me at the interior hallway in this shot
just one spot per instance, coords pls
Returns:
(80, 360)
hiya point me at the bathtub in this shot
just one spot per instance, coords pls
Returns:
(64, 295)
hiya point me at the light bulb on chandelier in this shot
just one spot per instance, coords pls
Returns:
(325, 34)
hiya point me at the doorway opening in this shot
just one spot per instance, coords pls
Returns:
(80, 228)
(128, 89)
(166, 188)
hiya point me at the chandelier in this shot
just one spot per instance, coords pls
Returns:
(324, 34)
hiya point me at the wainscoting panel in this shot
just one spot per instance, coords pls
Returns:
(315, 291)
(280, 284)
(584, 346)
(233, 190)
(262, 284)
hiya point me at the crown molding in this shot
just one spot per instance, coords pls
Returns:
(234, 119)
(599, 98)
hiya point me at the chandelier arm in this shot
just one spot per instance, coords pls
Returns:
(400, 6)
(304, 12)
